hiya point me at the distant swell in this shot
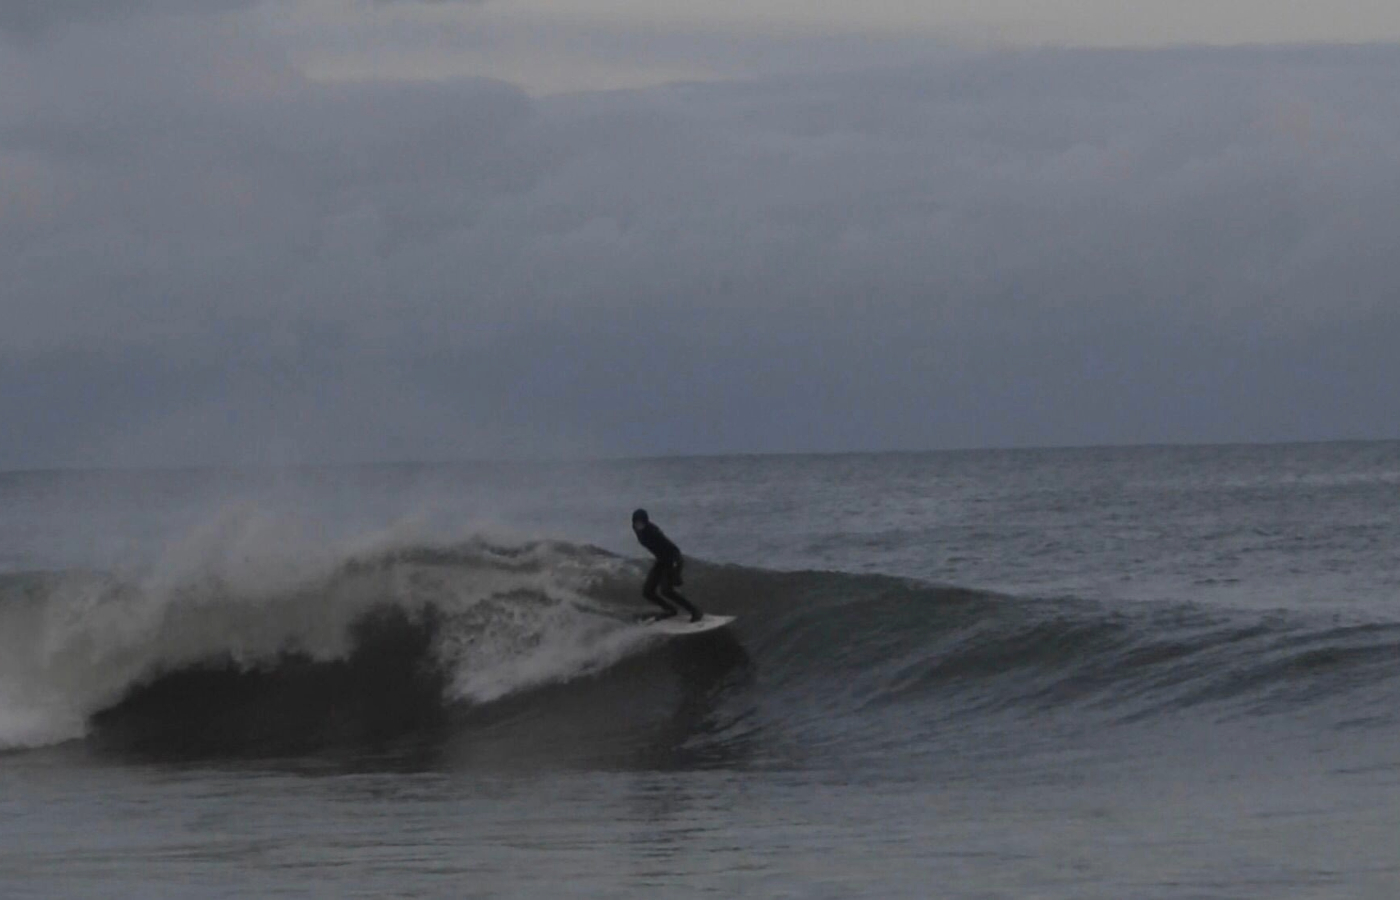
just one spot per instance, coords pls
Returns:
(503, 651)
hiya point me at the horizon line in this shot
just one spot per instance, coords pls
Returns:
(663, 457)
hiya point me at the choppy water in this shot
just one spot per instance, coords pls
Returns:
(1149, 672)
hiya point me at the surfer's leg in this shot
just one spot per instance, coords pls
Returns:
(668, 590)
(649, 591)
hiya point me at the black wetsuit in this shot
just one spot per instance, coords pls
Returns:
(665, 573)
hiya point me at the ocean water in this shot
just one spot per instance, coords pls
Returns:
(1099, 673)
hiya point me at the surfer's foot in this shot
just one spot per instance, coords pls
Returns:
(696, 616)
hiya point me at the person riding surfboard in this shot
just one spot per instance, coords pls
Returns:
(665, 574)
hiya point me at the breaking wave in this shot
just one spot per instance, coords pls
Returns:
(470, 642)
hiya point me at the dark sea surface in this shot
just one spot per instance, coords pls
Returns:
(1099, 673)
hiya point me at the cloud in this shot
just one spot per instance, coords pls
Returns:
(1033, 247)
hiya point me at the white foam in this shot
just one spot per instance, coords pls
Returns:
(246, 587)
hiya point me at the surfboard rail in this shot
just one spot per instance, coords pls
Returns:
(681, 625)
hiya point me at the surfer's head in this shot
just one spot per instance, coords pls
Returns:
(639, 519)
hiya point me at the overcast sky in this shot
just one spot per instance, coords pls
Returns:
(333, 230)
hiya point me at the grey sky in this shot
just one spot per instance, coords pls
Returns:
(214, 252)
(30, 17)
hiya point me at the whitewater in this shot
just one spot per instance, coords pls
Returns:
(1156, 672)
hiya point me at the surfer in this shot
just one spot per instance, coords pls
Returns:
(665, 573)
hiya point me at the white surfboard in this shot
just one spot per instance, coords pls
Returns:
(683, 625)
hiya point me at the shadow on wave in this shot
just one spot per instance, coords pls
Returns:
(386, 690)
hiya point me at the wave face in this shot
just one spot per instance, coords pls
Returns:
(510, 651)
